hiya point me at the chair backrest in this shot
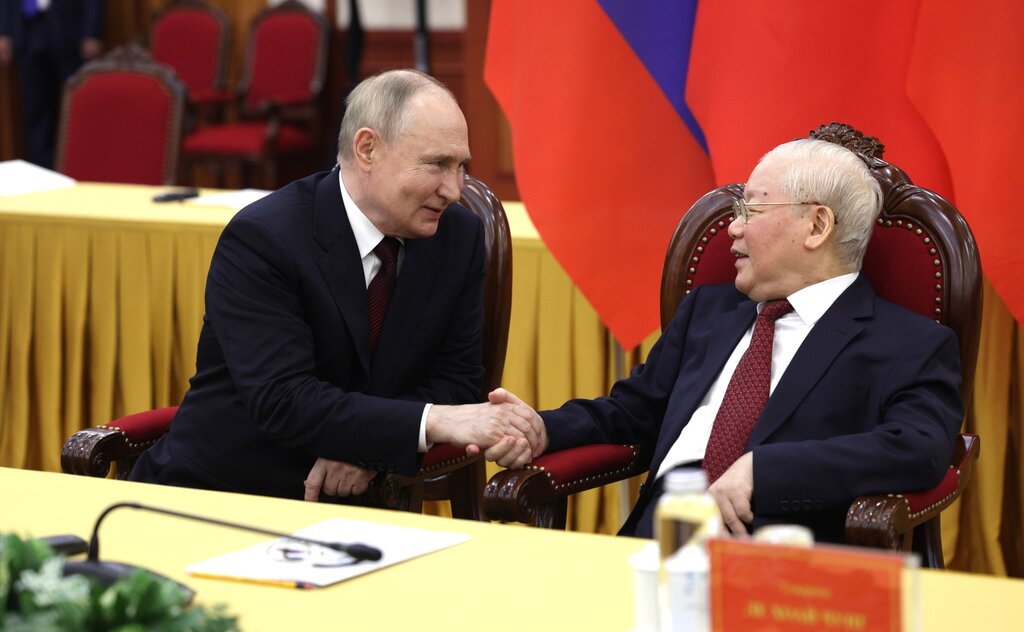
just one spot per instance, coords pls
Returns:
(191, 37)
(922, 254)
(497, 276)
(286, 56)
(121, 120)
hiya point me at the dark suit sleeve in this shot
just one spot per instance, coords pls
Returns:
(907, 449)
(254, 304)
(456, 375)
(634, 409)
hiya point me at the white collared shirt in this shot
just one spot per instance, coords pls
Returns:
(367, 237)
(809, 304)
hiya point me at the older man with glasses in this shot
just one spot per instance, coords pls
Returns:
(796, 390)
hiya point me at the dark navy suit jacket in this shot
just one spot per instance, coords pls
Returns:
(869, 404)
(283, 370)
(67, 23)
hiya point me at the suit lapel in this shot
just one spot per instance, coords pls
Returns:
(830, 335)
(341, 265)
(725, 335)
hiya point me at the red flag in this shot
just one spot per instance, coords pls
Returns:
(934, 80)
(604, 161)
(965, 79)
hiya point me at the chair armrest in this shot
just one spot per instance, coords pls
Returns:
(536, 494)
(406, 493)
(90, 452)
(888, 521)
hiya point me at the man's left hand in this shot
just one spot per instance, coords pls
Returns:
(734, 492)
(336, 478)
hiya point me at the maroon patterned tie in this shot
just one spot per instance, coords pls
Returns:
(379, 291)
(746, 395)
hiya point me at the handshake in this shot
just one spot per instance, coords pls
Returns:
(505, 429)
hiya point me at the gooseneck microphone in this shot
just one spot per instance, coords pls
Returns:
(358, 552)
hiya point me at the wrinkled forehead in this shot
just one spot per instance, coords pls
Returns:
(765, 181)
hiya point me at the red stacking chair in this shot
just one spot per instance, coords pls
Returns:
(192, 37)
(278, 98)
(921, 255)
(121, 120)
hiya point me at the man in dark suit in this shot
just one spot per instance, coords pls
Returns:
(49, 39)
(863, 393)
(293, 381)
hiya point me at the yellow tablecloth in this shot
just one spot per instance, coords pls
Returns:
(101, 301)
(502, 578)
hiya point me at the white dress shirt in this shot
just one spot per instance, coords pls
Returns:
(809, 304)
(367, 237)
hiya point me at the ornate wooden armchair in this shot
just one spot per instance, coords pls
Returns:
(446, 472)
(121, 120)
(278, 97)
(192, 37)
(922, 255)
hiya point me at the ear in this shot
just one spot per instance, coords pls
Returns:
(364, 144)
(823, 224)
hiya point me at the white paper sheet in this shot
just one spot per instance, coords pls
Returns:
(232, 199)
(18, 177)
(257, 563)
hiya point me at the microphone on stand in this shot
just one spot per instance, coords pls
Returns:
(358, 552)
(109, 572)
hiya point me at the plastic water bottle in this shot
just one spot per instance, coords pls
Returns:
(686, 516)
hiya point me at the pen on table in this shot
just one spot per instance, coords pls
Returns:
(283, 583)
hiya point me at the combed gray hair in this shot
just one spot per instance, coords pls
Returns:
(380, 103)
(833, 175)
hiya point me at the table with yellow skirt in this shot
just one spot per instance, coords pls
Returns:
(502, 578)
(101, 302)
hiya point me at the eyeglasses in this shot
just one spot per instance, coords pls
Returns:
(288, 550)
(741, 208)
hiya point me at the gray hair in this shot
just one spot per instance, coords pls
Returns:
(380, 103)
(833, 175)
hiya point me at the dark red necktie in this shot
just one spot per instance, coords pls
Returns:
(746, 395)
(378, 292)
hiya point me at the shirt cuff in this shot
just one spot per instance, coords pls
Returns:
(424, 446)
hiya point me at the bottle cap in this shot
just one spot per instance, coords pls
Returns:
(786, 534)
(686, 481)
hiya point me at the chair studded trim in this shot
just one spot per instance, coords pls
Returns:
(591, 466)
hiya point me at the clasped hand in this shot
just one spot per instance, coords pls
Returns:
(505, 429)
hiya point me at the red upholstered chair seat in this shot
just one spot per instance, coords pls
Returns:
(246, 138)
(121, 120)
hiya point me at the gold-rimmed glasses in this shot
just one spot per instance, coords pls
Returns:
(741, 208)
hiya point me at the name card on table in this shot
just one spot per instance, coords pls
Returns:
(758, 586)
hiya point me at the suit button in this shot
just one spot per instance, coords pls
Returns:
(784, 505)
(808, 504)
(819, 505)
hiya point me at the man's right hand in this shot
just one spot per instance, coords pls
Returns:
(505, 428)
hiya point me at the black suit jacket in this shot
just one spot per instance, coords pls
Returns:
(67, 23)
(283, 370)
(869, 404)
